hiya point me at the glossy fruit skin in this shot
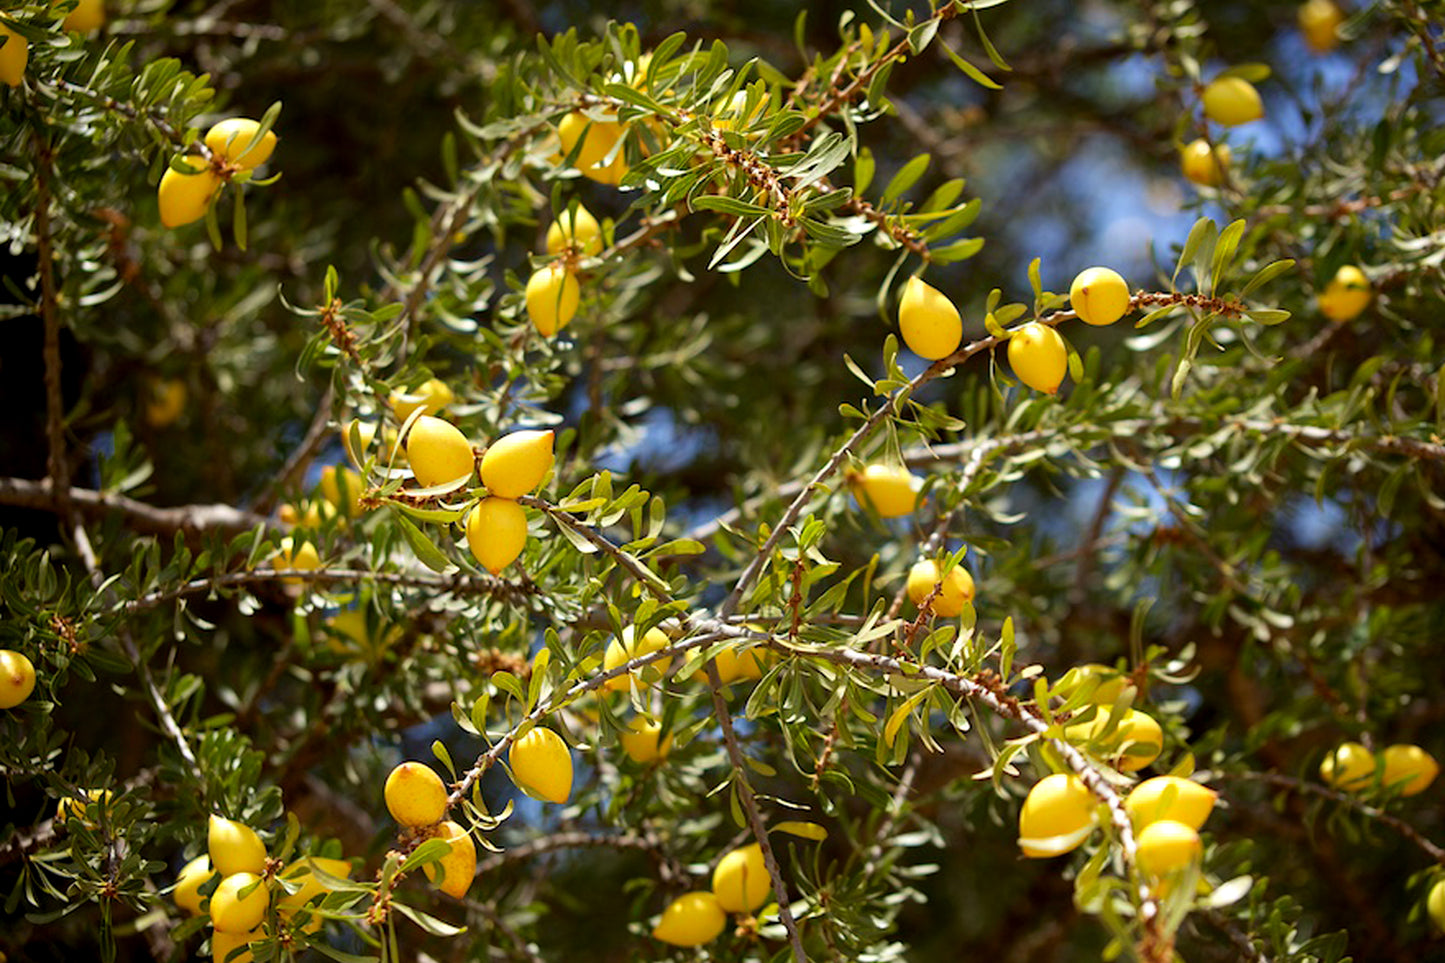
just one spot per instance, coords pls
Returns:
(439, 453)
(691, 920)
(415, 795)
(14, 55)
(542, 765)
(740, 881)
(72, 807)
(1346, 295)
(891, 490)
(1112, 683)
(1170, 797)
(598, 139)
(1318, 21)
(17, 678)
(577, 229)
(229, 141)
(957, 591)
(742, 662)
(643, 741)
(1134, 743)
(453, 873)
(431, 396)
(189, 881)
(928, 321)
(223, 944)
(1167, 846)
(553, 295)
(1202, 166)
(88, 15)
(1407, 762)
(185, 198)
(1038, 357)
(233, 913)
(496, 533)
(234, 847)
(1058, 805)
(301, 872)
(517, 462)
(1350, 766)
(1099, 296)
(1232, 101)
(624, 649)
(1435, 904)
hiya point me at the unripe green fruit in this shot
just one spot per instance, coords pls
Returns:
(1099, 296)
(1038, 357)
(928, 320)
(691, 920)
(439, 453)
(1203, 166)
(185, 198)
(1232, 101)
(1350, 766)
(1170, 797)
(235, 142)
(626, 648)
(1408, 769)
(496, 533)
(891, 490)
(1346, 295)
(956, 592)
(1318, 21)
(415, 795)
(17, 678)
(431, 396)
(14, 55)
(1058, 808)
(740, 881)
(517, 462)
(553, 295)
(453, 873)
(234, 847)
(577, 229)
(189, 881)
(232, 912)
(542, 765)
(643, 741)
(1167, 846)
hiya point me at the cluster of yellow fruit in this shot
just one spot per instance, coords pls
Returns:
(553, 292)
(1228, 101)
(239, 902)
(86, 16)
(740, 884)
(17, 678)
(235, 145)
(1346, 295)
(417, 799)
(1406, 769)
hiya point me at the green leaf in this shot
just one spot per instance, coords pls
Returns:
(906, 177)
(426, 552)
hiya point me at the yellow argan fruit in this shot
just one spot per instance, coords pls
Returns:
(1112, 684)
(1167, 846)
(740, 882)
(72, 807)
(1134, 743)
(1055, 816)
(1346, 295)
(186, 197)
(1435, 904)
(731, 116)
(957, 589)
(165, 402)
(289, 557)
(1232, 101)
(1038, 357)
(231, 912)
(439, 453)
(929, 322)
(891, 490)
(1170, 797)
(643, 741)
(17, 678)
(742, 662)
(342, 487)
(192, 877)
(1408, 769)
(391, 450)
(574, 228)
(14, 54)
(552, 298)
(224, 944)
(86, 16)
(598, 138)
(1318, 21)
(626, 648)
(1203, 166)
(496, 533)
(1350, 766)
(431, 396)
(234, 847)
(542, 765)
(691, 920)
(1099, 296)
(415, 795)
(301, 872)
(453, 873)
(517, 462)
(235, 142)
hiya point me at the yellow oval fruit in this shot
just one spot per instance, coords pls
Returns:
(691, 920)
(17, 678)
(1346, 295)
(956, 592)
(1435, 904)
(496, 533)
(1350, 766)
(1134, 743)
(439, 453)
(740, 882)
(301, 872)
(232, 912)
(415, 795)
(1055, 816)
(553, 295)
(1111, 686)
(234, 847)
(891, 490)
(14, 55)
(342, 487)
(1167, 846)
(598, 138)
(87, 15)
(165, 402)
(1099, 296)
(731, 116)
(185, 198)
(223, 945)
(542, 765)
(929, 322)
(1203, 166)
(1038, 357)
(1408, 769)
(289, 557)
(192, 877)
(1318, 21)
(574, 228)
(235, 142)
(517, 462)
(430, 396)
(73, 807)
(623, 650)
(1232, 101)
(1170, 797)
(742, 662)
(643, 741)
(453, 873)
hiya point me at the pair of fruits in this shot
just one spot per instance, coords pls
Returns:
(1037, 353)
(553, 292)
(236, 145)
(1346, 295)
(740, 884)
(17, 678)
(1403, 768)
(416, 797)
